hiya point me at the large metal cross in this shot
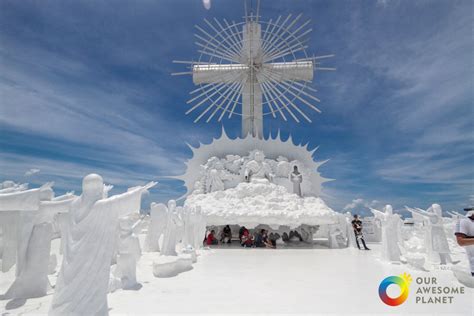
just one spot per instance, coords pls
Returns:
(252, 72)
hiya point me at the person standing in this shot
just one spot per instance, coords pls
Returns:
(357, 226)
(465, 236)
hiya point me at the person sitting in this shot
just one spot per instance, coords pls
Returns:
(273, 238)
(247, 239)
(266, 240)
(211, 239)
(259, 239)
(285, 237)
(226, 236)
(241, 232)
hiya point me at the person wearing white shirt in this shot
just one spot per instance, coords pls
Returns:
(465, 236)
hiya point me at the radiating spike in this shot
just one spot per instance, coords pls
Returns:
(289, 101)
(286, 41)
(205, 92)
(218, 56)
(329, 69)
(269, 97)
(212, 104)
(291, 48)
(280, 27)
(270, 88)
(191, 62)
(205, 99)
(234, 97)
(216, 50)
(269, 101)
(235, 34)
(270, 36)
(219, 47)
(218, 33)
(229, 91)
(181, 73)
(229, 36)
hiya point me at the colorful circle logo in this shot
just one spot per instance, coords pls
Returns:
(403, 282)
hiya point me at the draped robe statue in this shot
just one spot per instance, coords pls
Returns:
(173, 225)
(34, 254)
(199, 228)
(27, 235)
(82, 284)
(296, 177)
(437, 242)
(129, 253)
(391, 224)
(158, 218)
(16, 210)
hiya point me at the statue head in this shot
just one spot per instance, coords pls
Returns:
(259, 156)
(388, 209)
(437, 210)
(92, 187)
(295, 168)
(46, 194)
(171, 205)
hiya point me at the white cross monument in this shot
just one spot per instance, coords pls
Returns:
(257, 67)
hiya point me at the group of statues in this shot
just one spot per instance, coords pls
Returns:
(176, 224)
(96, 231)
(220, 174)
(429, 223)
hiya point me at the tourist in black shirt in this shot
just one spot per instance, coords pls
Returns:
(357, 226)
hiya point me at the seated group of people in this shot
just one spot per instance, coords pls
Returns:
(226, 236)
(258, 239)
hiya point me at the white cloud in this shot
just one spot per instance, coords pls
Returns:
(360, 203)
(31, 172)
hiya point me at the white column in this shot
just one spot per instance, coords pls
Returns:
(252, 117)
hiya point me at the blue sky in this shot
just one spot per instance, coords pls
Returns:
(85, 86)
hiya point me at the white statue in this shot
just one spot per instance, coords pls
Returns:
(283, 169)
(128, 254)
(82, 284)
(18, 214)
(173, 224)
(199, 228)
(296, 177)
(437, 241)
(158, 218)
(198, 187)
(351, 239)
(216, 177)
(10, 187)
(189, 219)
(258, 168)
(233, 163)
(33, 260)
(391, 224)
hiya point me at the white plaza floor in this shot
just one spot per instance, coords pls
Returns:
(235, 280)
